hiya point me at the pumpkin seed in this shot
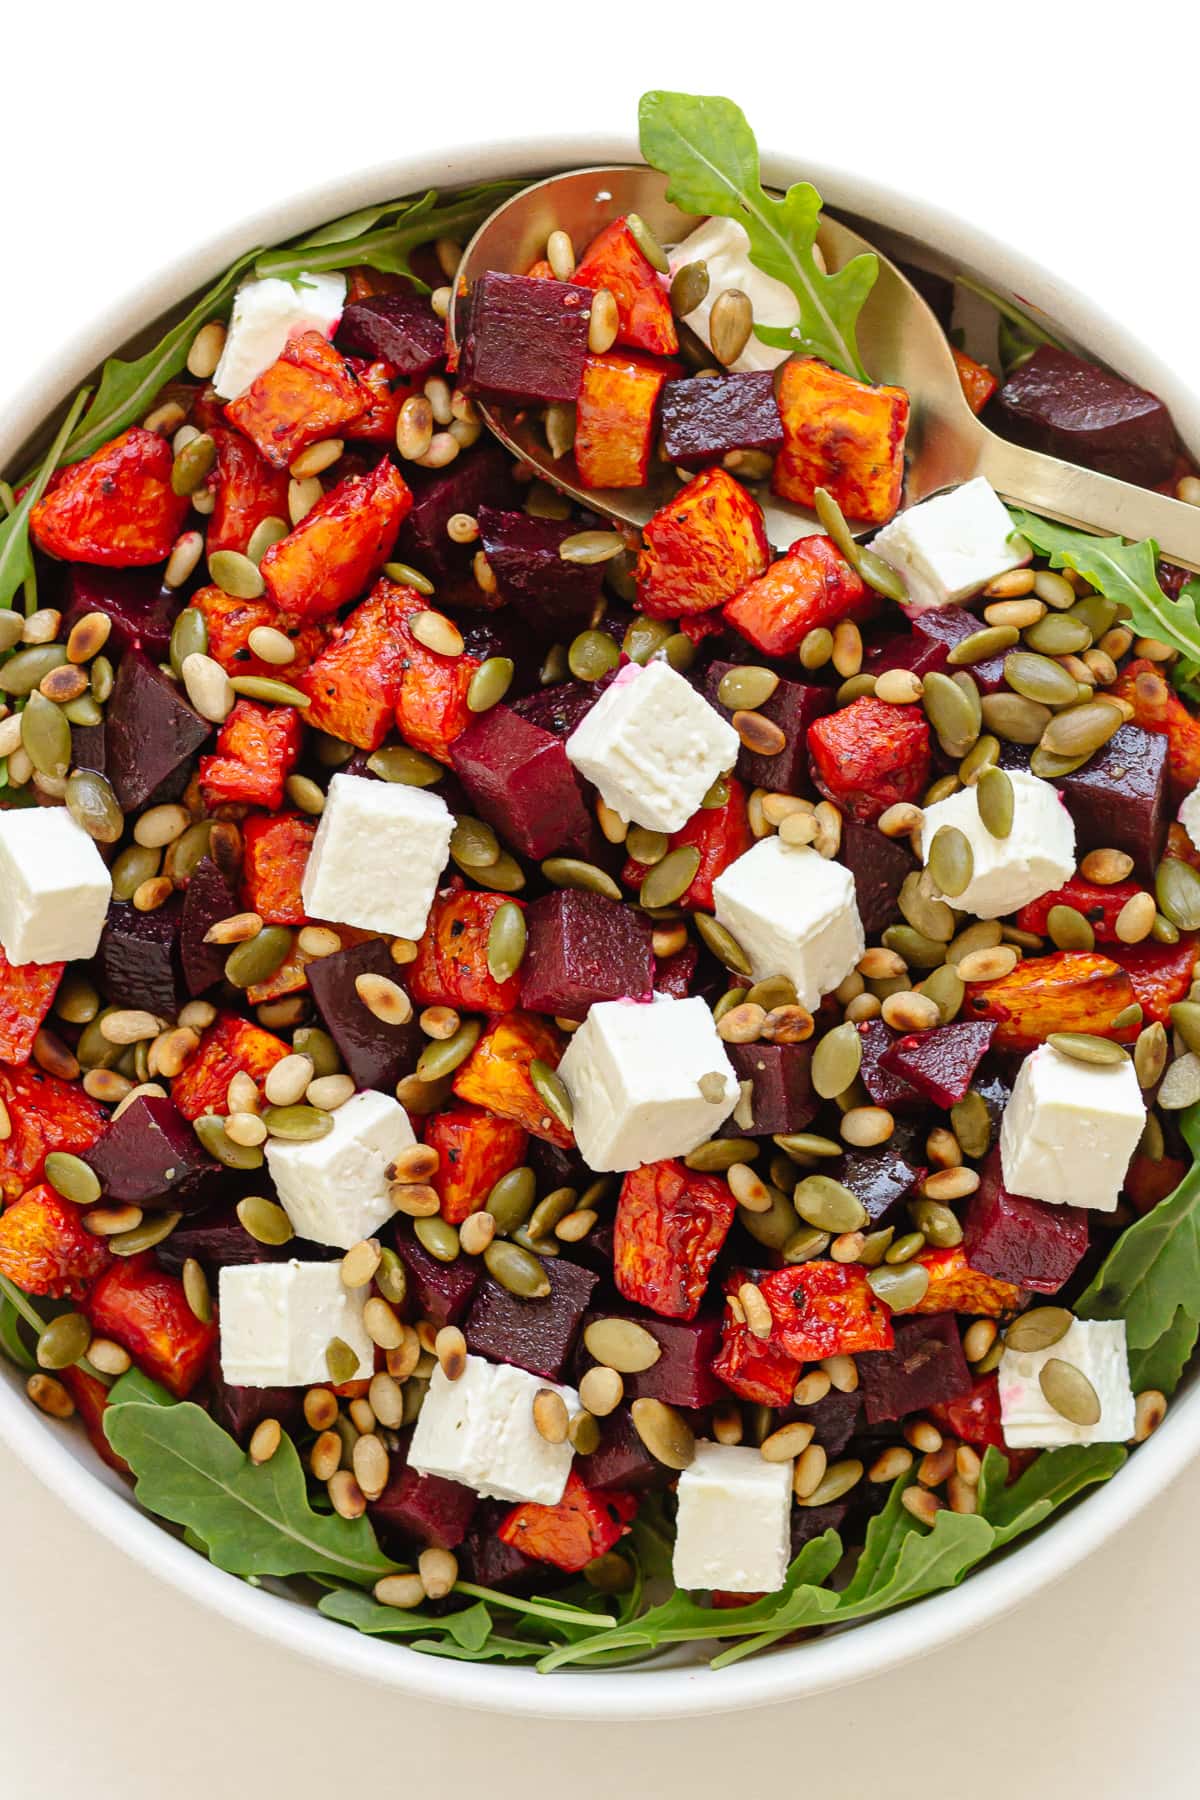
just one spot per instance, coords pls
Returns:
(268, 531)
(837, 1481)
(552, 1092)
(409, 767)
(835, 1062)
(1177, 888)
(981, 645)
(404, 575)
(93, 805)
(949, 709)
(391, 1277)
(1164, 931)
(134, 865)
(671, 878)
(807, 1143)
(297, 1124)
(1185, 1017)
(235, 574)
(1039, 678)
(717, 795)
(570, 872)
(647, 243)
(1080, 730)
(803, 1246)
(944, 986)
(506, 875)
(439, 1237)
(1014, 718)
(902, 1287)
(489, 684)
(951, 861)
(680, 652)
(730, 322)
(84, 711)
(265, 687)
(506, 941)
(71, 1177)
(443, 1057)
(646, 846)
(473, 845)
(983, 754)
(319, 1048)
(994, 797)
(972, 1124)
(28, 668)
(1068, 1390)
(93, 1050)
(341, 1361)
(64, 1341)
(1128, 1015)
(1039, 1328)
(880, 575)
(746, 686)
(304, 793)
(511, 1198)
(592, 655)
(689, 288)
(775, 1225)
(645, 639)
(720, 1154)
(1181, 1083)
(189, 849)
(518, 1271)
(1058, 634)
(1050, 767)
(723, 944)
(154, 1229)
(856, 687)
(775, 991)
(936, 1224)
(1067, 929)
(622, 1344)
(12, 629)
(932, 917)
(828, 1206)
(258, 958)
(196, 1290)
(193, 464)
(46, 736)
(266, 1222)
(1082, 1047)
(589, 547)
(1097, 613)
(667, 1436)
(550, 1210)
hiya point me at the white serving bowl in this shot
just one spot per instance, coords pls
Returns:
(65, 1460)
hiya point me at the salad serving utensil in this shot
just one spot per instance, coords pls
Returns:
(901, 343)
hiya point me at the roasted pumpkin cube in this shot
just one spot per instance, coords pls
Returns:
(91, 1403)
(354, 684)
(754, 1368)
(274, 857)
(1157, 707)
(1069, 990)
(431, 707)
(954, 1286)
(26, 993)
(496, 1074)
(44, 1114)
(843, 435)
(812, 585)
(308, 393)
(476, 1149)
(1161, 974)
(583, 1525)
(338, 547)
(115, 508)
(257, 749)
(246, 489)
(385, 390)
(868, 756)
(978, 382)
(230, 621)
(720, 833)
(825, 1309)
(701, 548)
(671, 1222)
(45, 1248)
(1099, 905)
(450, 967)
(614, 260)
(616, 415)
(229, 1045)
(140, 1306)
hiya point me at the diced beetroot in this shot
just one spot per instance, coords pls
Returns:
(1024, 1241)
(561, 707)
(878, 865)
(489, 1561)
(375, 1053)
(781, 1092)
(809, 1522)
(703, 418)
(621, 1460)
(880, 1178)
(481, 478)
(834, 1419)
(582, 948)
(139, 957)
(927, 643)
(239, 1410)
(140, 609)
(674, 975)
(208, 897)
(401, 329)
(884, 1088)
(427, 1509)
(1061, 404)
(925, 1368)
(683, 1375)
(537, 1335)
(794, 706)
(152, 732)
(438, 1291)
(219, 1240)
(150, 1155)
(525, 341)
(940, 1063)
(519, 778)
(87, 748)
(551, 595)
(1118, 798)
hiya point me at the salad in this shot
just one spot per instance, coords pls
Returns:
(567, 1090)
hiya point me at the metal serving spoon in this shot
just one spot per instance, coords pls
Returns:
(900, 340)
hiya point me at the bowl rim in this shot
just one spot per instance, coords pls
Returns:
(653, 1692)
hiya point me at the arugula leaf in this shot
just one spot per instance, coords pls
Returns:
(360, 238)
(255, 1518)
(16, 560)
(135, 1389)
(12, 1343)
(706, 148)
(1056, 1476)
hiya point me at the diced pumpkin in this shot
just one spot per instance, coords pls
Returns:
(27, 991)
(246, 489)
(825, 1309)
(337, 548)
(954, 1286)
(1099, 905)
(116, 508)
(44, 1114)
(720, 833)
(230, 622)
(140, 1306)
(978, 382)
(91, 1403)
(257, 749)
(843, 435)
(584, 1524)
(754, 1368)
(671, 1223)
(496, 1074)
(701, 548)
(476, 1149)
(614, 260)
(450, 967)
(354, 684)
(616, 415)
(308, 393)
(45, 1249)
(868, 756)
(1161, 974)
(274, 857)
(812, 585)
(1069, 990)
(431, 708)
(385, 390)
(227, 1047)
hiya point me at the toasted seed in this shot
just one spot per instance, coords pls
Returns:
(601, 1390)
(747, 686)
(517, 1270)
(828, 1206)
(384, 999)
(1068, 1390)
(1039, 1328)
(1181, 1083)
(900, 1288)
(235, 574)
(551, 1090)
(275, 693)
(760, 735)
(570, 872)
(1150, 1409)
(300, 1124)
(450, 1348)
(443, 1057)
(866, 1126)
(154, 1229)
(64, 1341)
(266, 1222)
(1177, 886)
(1080, 730)
(71, 1177)
(924, 912)
(847, 649)
(730, 323)
(1081, 1046)
(46, 736)
(1067, 928)
(1135, 921)
(665, 1434)
(910, 1011)
(838, 1479)
(622, 1344)
(972, 1124)
(722, 943)
(978, 1339)
(669, 879)
(1039, 678)
(952, 713)
(896, 1460)
(257, 958)
(50, 1396)
(809, 1472)
(994, 792)
(951, 861)
(1106, 867)
(111, 1221)
(208, 687)
(835, 1063)
(787, 1441)
(489, 684)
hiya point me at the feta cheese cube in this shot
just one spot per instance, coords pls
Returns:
(278, 1320)
(377, 855)
(723, 246)
(479, 1430)
(1189, 816)
(634, 1072)
(1070, 1129)
(1037, 856)
(265, 315)
(733, 1525)
(951, 546)
(794, 913)
(54, 887)
(335, 1189)
(1097, 1350)
(653, 746)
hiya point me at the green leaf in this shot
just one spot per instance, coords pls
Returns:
(1055, 1477)
(387, 247)
(707, 150)
(135, 1389)
(16, 560)
(255, 1518)
(12, 1341)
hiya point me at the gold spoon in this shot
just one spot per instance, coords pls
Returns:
(900, 341)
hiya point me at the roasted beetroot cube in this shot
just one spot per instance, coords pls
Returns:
(150, 1155)
(1059, 403)
(927, 643)
(139, 957)
(781, 1093)
(437, 1290)
(1118, 798)
(208, 897)
(702, 418)
(87, 748)
(139, 608)
(925, 1368)
(551, 595)
(375, 1053)
(220, 1240)
(423, 1509)
(940, 1063)
(809, 1522)
(152, 733)
(834, 1419)
(880, 1179)
(582, 948)
(239, 1410)
(401, 329)
(793, 707)
(621, 1460)
(561, 707)
(520, 780)
(525, 341)
(1024, 1241)
(884, 1088)
(490, 1562)
(878, 865)
(683, 1375)
(482, 477)
(537, 1335)
(674, 975)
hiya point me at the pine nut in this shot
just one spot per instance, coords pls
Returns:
(438, 1571)
(842, 1372)
(866, 1126)
(265, 1440)
(208, 687)
(811, 1388)
(1150, 1409)
(910, 1011)
(758, 1313)
(1010, 585)
(415, 1163)
(604, 322)
(601, 1390)
(384, 999)
(1019, 613)
(242, 1094)
(287, 1083)
(271, 646)
(968, 1463)
(978, 1339)
(206, 349)
(943, 1149)
(921, 1504)
(110, 1358)
(170, 1050)
(328, 1092)
(369, 1460)
(414, 428)
(989, 965)
(787, 1441)
(316, 458)
(382, 1325)
(1135, 921)
(900, 820)
(550, 1416)
(345, 1495)
(302, 497)
(238, 928)
(387, 1400)
(320, 1410)
(401, 1591)
(809, 1472)
(129, 1026)
(450, 1348)
(476, 1233)
(50, 1396)
(899, 687)
(950, 1184)
(847, 648)
(937, 1465)
(923, 1435)
(890, 1463)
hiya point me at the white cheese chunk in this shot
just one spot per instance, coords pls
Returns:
(334, 1189)
(1037, 856)
(1097, 1350)
(633, 1071)
(653, 746)
(794, 913)
(54, 887)
(479, 1430)
(1070, 1129)
(733, 1525)
(265, 315)
(1189, 816)
(278, 1320)
(377, 855)
(949, 547)
(724, 248)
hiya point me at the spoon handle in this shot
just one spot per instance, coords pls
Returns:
(1075, 496)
